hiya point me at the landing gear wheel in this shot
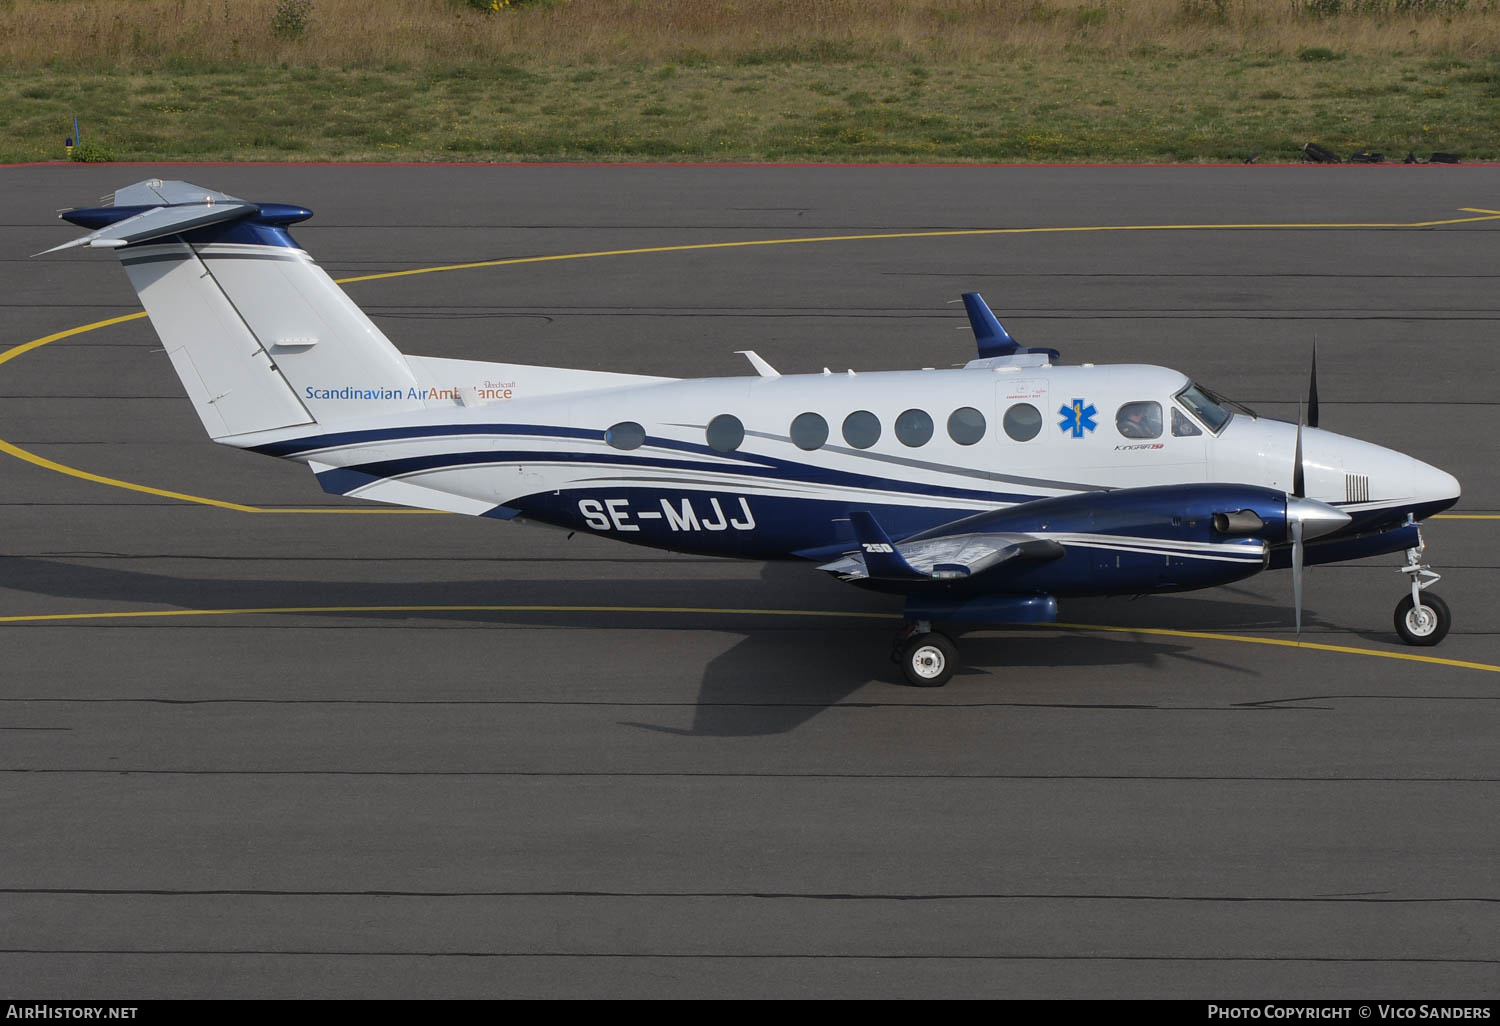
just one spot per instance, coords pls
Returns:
(1426, 624)
(928, 659)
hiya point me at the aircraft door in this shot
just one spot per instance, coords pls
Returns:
(1021, 414)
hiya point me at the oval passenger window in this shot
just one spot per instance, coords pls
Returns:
(861, 429)
(1022, 422)
(966, 425)
(626, 435)
(914, 428)
(809, 431)
(725, 432)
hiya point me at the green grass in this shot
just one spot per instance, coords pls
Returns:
(1148, 107)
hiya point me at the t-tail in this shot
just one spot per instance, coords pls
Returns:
(260, 335)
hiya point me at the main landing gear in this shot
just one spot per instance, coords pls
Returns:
(1421, 619)
(927, 657)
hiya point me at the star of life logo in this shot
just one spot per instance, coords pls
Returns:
(1078, 417)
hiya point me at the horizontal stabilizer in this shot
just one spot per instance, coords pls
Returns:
(155, 222)
(154, 192)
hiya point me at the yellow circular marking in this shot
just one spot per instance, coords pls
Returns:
(1487, 215)
(147, 614)
(37, 343)
(60, 468)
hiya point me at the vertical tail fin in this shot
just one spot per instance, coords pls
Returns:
(260, 335)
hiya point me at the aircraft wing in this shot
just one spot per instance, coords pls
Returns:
(945, 558)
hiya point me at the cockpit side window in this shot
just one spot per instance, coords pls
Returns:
(1182, 425)
(1205, 406)
(1139, 420)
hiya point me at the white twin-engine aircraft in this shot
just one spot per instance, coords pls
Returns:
(981, 494)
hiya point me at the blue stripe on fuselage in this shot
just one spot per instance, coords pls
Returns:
(771, 468)
(780, 471)
(338, 439)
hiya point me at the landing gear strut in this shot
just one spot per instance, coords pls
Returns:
(1421, 619)
(927, 658)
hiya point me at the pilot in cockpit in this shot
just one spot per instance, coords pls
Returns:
(1139, 420)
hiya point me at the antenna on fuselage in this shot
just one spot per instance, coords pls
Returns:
(757, 361)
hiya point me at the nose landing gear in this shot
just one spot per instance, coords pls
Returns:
(1421, 619)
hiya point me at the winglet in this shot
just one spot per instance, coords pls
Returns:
(882, 558)
(991, 335)
(993, 339)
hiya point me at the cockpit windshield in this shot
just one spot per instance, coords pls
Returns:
(1213, 409)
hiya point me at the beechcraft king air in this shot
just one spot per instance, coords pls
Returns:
(982, 494)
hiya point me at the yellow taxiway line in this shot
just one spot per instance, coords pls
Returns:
(1246, 639)
(1481, 215)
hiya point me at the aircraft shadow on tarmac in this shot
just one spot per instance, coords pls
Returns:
(783, 671)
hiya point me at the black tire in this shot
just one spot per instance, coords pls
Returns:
(928, 660)
(1415, 632)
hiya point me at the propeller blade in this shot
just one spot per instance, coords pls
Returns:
(1308, 518)
(1297, 572)
(1299, 483)
(1312, 390)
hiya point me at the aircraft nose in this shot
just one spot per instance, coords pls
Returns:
(1429, 485)
(1420, 488)
(1391, 482)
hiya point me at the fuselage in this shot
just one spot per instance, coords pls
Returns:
(770, 467)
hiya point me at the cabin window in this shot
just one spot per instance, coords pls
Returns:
(1139, 420)
(914, 428)
(809, 431)
(725, 432)
(1022, 422)
(966, 425)
(626, 435)
(1182, 426)
(861, 429)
